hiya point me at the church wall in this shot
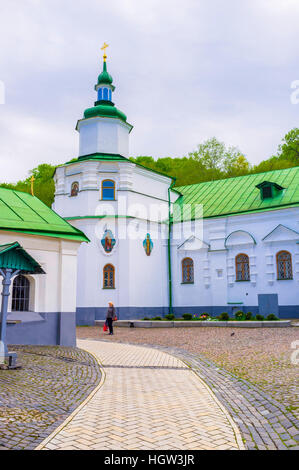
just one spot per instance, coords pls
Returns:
(51, 319)
(215, 291)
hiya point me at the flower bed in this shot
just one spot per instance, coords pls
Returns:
(223, 317)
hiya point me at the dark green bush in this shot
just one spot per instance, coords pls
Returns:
(260, 317)
(248, 316)
(146, 319)
(187, 316)
(272, 317)
(169, 317)
(157, 319)
(224, 316)
(239, 315)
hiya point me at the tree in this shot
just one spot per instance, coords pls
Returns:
(220, 161)
(44, 186)
(289, 149)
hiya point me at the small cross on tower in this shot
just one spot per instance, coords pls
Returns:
(32, 185)
(104, 49)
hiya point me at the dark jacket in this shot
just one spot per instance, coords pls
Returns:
(111, 312)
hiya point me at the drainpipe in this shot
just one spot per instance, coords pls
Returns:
(170, 222)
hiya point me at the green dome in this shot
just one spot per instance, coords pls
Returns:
(104, 77)
(105, 110)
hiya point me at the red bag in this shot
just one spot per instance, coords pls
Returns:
(105, 327)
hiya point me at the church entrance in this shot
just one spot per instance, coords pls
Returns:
(20, 294)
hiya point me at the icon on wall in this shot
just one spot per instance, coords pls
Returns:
(108, 241)
(148, 245)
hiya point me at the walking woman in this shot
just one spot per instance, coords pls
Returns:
(110, 317)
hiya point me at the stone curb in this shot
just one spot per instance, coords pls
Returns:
(197, 324)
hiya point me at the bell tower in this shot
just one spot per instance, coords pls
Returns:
(104, 128)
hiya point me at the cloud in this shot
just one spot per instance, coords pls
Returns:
(183, 72)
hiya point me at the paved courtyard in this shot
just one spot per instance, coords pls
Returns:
(148, 399)
(34, 400)
(250, 373)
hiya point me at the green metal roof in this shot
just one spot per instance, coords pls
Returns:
(113, 157)
(13, 256)
(105, 77)
(21, 212)
(239, 195)
(105, 110)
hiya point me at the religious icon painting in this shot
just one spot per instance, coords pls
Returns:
(148, 245)
(75, 189)
(108, 241)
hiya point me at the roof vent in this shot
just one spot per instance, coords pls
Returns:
(269, 190)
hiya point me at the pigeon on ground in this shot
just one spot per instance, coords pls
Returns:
(233, 334)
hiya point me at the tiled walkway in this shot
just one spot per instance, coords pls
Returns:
(147, 399)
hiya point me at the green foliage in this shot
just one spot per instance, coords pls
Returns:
(223, 316)
(260, 317)
(157, 319)
(248, 316)
(170, 317)
(43, 186)
(272, 317)
(210, 161)
(289, 149)
(187, 316)
(146, 319)
(240, 316)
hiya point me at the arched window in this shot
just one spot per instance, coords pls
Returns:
(188, 271)
(75, 189)
(109, 276)
(20, 294)
(284, 265)
(108, 190)
(105, 94)
(242, 268)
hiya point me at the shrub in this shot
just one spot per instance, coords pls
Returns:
(260, 317)
(240, 315)
(248, 316)
(146, 319)
(205, 315)
(224, 316)
(169, 317)
(272, 317)
(187, 316)
(157, 319)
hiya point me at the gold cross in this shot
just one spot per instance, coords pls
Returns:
(104, 49)
(32, 185)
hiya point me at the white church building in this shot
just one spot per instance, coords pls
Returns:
(212, 247)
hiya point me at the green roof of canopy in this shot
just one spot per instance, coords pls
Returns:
(241, 195)
(21, 212)
(13, 256)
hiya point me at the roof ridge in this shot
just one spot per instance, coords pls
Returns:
(236, 177)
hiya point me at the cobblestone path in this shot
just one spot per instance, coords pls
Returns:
(148, 399)
(265, 423)
(35, 400)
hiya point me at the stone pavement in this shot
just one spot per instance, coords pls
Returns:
(147, 399)
(36, 399)
(265, 423)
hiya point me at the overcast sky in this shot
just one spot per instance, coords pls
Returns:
(183, 71)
